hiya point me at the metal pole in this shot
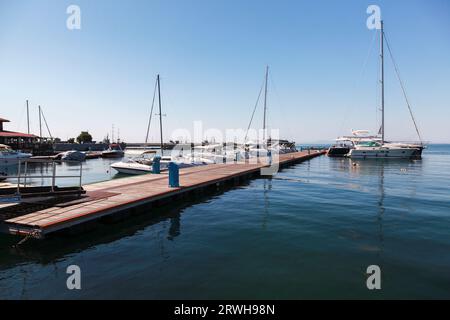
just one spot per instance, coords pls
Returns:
(382, 80)
(265, 105)
(81, 173)
(40, 123)
(18, 178)
(160, 116)
(26, 170)
(28, 117)
(53, 176)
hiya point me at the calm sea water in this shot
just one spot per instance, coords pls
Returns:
(309, 232)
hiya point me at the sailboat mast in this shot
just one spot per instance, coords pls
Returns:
(160, 115)
(265, 104)
(40, 122)
(28, 118)
(382, 79)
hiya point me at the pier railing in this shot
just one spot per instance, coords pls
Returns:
(24, 177)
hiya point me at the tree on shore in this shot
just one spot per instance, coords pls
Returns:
(84, 137)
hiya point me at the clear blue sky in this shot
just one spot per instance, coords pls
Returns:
(211, 55)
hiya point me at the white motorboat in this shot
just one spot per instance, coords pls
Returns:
(139, 166)
(144, 165)
(187, 161)
(9, 156)
(212, 152)
(131, 167)
(281, 146)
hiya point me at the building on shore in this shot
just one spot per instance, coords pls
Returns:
(17, 140)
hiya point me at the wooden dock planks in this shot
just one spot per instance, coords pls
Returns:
(122, 194)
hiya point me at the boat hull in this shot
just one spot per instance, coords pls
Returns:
(113, 154)
(132, 170)
(385, 153)
(338, 151)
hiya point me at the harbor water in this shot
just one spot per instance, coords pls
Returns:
(311, 231)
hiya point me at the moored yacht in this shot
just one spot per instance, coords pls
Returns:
(131, 167)
(9, 156)
(340, 149)
(114, 151)
(344, 144)
(374, 150)
(382, 148)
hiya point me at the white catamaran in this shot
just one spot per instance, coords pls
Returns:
(380, 148)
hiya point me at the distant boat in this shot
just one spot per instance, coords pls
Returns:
(344, 144)
(10, 157)
(213, 152)
(340, 149)
(72, 155)
(114, 151)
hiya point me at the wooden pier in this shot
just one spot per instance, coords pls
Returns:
(119, 196)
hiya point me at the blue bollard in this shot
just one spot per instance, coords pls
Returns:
(156, 165)
(174, 175)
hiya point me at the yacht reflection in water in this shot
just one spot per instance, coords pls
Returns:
(370, 177)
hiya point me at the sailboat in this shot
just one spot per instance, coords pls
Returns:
(114, 149)
(380, 148)
(261, 149)
(144, 164)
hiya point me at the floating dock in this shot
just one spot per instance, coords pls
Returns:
(119, 196)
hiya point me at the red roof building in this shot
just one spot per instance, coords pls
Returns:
(15, 139)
